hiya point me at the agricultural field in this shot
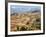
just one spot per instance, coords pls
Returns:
(25, 22)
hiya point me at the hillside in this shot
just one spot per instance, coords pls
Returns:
(26, 22)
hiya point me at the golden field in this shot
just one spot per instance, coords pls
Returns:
(26, 22)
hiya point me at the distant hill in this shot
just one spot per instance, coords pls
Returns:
(35, 11)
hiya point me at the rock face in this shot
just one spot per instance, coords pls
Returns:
(26, 22)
